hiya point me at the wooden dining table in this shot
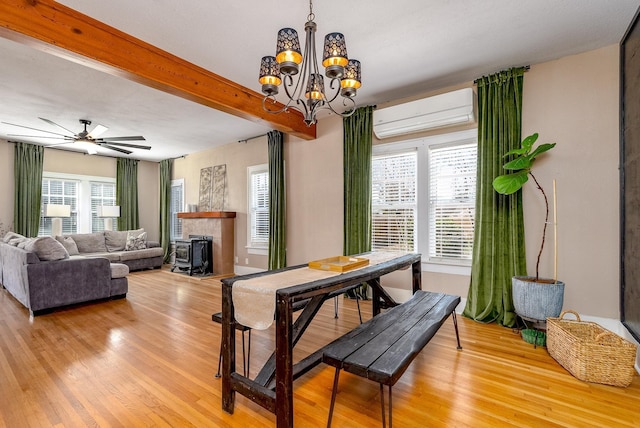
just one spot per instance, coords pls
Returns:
(272, 388)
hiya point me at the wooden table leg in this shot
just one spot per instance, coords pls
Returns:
(228, 349)
(416, 271)
(375, 295)
(284, 362)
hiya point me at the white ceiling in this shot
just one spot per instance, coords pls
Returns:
(406, 47)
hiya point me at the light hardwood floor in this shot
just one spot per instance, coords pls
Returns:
(150, 360)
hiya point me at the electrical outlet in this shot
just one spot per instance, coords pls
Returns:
(236, 260)
(246, 261)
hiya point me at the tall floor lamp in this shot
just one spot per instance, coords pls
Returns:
(56, 213)
(108, 213)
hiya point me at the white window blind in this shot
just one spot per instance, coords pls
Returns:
(452, 185)
(394, 201)
(102, 194)
(177, 204)
(59, 192)
(259, 206)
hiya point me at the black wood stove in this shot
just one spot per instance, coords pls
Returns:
(194, 254)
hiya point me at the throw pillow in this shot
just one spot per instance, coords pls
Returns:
(47, 248)
(69, 244)
(21, 242)
(17, 240)
(136, 241)
(117, 240)
(11, 235)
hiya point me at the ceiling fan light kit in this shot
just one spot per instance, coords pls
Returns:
(307, 93)
(87, 140)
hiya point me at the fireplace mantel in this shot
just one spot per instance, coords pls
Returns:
(208, 214)
(219, 225)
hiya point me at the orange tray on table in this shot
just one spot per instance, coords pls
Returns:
(339, 263)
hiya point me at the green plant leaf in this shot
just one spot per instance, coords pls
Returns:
(520, 151)
(510, 183)
(541, 149)
(528, 142)
(522, 162)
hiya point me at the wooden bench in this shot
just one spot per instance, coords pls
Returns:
(382, 348)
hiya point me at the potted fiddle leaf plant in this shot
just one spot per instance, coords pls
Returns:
(534, 298)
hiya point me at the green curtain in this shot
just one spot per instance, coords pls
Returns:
(127, 193)
(165, 207)
(277, 202)
(498, 247)
(358, 135)
(27, 169)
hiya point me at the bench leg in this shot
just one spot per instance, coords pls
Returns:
(219, 361)
(333, 395)
(335, 307)
(246, 357)
(455, 324)
(384, 419)
(248, 354)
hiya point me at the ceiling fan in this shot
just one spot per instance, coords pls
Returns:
(88, 140)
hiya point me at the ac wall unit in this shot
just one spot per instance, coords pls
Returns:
(451, 108)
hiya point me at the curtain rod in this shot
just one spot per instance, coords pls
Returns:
(525, 68)
(251, 138)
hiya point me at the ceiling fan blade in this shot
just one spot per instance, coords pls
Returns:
(134, 146)
(118, 149)
(50, 122)
(36, 129)
(61, 137)
(97, 131)
(134, 138)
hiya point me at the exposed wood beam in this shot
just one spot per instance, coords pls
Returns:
(65, 32)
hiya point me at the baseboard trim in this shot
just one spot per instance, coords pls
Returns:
(246, 270)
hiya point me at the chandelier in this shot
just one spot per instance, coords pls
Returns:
(307, 93)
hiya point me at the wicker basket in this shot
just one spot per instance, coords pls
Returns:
(590, 352)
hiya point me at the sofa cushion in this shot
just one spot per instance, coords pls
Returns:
(119, 270)
(90, 242)
(47, 248)
(112, 257)
(136, 240)
(69, 244)
(11, 235)
(141, 254)
(117, 240)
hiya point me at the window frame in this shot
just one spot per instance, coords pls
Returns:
(83, 206)
(396, 189)
(175, 221)
(422, 145)
(98, 225)
(258, 247)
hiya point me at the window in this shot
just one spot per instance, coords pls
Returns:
(83, 193)
(59, 192)
(177, 205)
(102, 194)
(452, 187)
(423, 199)
(258, 222)
(394, 201)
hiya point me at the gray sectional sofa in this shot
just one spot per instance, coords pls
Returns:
(41, 274)
(113, 247)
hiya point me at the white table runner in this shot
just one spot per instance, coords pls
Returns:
(254, 299)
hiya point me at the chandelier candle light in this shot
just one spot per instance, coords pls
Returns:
(307, 94)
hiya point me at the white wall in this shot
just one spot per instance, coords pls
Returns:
(574, 101)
